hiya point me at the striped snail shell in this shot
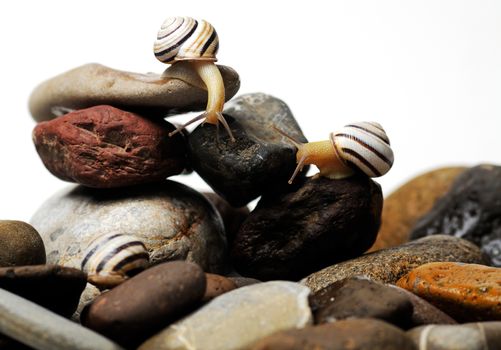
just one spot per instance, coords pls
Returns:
(184, 38)
(111, 258)
(365, 146)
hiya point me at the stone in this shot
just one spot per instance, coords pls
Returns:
(40, 328)
(316, 223)
(104, 147)
(388, 265)
(144, 304)
(173, 221)
(241, 281)
(470, 210)
(360, 298)
(56, 288)
(468, 336)
(238, 318)
(467, 292)
(94, 84)
(21, 244)
(217, 285)
(259, 161)
(406, 205)
(354, 334)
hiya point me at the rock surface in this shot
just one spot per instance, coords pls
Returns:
(172, 220)
(94, 84)
(356, 334)
(21, 244)
(405, 206)
(260, 160)
(217, 285)
(104, 147)
(316, 223)
(467, 292)
(388, 265)
(144, 304)
(470, 210)
(238, 318)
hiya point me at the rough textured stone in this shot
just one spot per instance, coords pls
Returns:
(388, 265)
(40, 328)
(470, 210)
(411, 201)
(20, 244)
(467, 292)
(238, 318)
(217, 285)
(316, 223)
(144, 304)
(360, 298)
(468, 336)
(94, 84)
(103, 147)
(55, 287)
(356, 334)
(172, 220)
(259, 161)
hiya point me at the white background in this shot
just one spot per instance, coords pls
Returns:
(428, 71)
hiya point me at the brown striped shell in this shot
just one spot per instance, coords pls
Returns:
(184, 38)
(365, 146)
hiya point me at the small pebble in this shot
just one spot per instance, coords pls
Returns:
(217, 285)
(21, 244)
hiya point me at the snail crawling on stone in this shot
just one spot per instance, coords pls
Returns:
(184, 39)
(363, 146)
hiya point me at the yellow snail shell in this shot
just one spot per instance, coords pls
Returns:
(184, 38)
(365, 146)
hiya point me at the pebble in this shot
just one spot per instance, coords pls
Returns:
(217, 285)
(388, 265)
(56, 288)
(360, 298)
(172, 220)
(316, 223)
(259, 161)
(238, 318)
(241, 281)
(467, 292)
(104, 147)
(411, 201)
(21, 244)
(94, 84)
(354, 334)
(144, 304)
(42, 329)
(468, 336)
(470, 210)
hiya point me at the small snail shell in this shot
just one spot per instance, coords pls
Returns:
(364, 145)
(110, 259)
(184, 38)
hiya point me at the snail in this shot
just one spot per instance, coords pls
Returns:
(184, 39)
(112, 258)
(363, 146)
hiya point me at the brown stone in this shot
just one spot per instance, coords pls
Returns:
(467, 292)
(106, 147)
(217, 285)
(241, 281)
(408, 203)
(20, 244)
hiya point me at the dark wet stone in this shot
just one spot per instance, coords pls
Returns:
(217, 285)
(470, 210)
(146, 303)
(361, 298)
(20, 244)
(317, 223)
(260, 160)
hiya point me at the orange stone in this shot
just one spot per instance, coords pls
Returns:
(467, 292)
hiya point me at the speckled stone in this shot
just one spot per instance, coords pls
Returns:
(217, 285)
(172, 220)
(388, 265)
(238, 318)
(94, 84)
(467, 292)
(20, 244)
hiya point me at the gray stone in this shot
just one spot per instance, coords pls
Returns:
(20, 244)
(238, 318)
(172, 220)
(42, 329)
(94, 84)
